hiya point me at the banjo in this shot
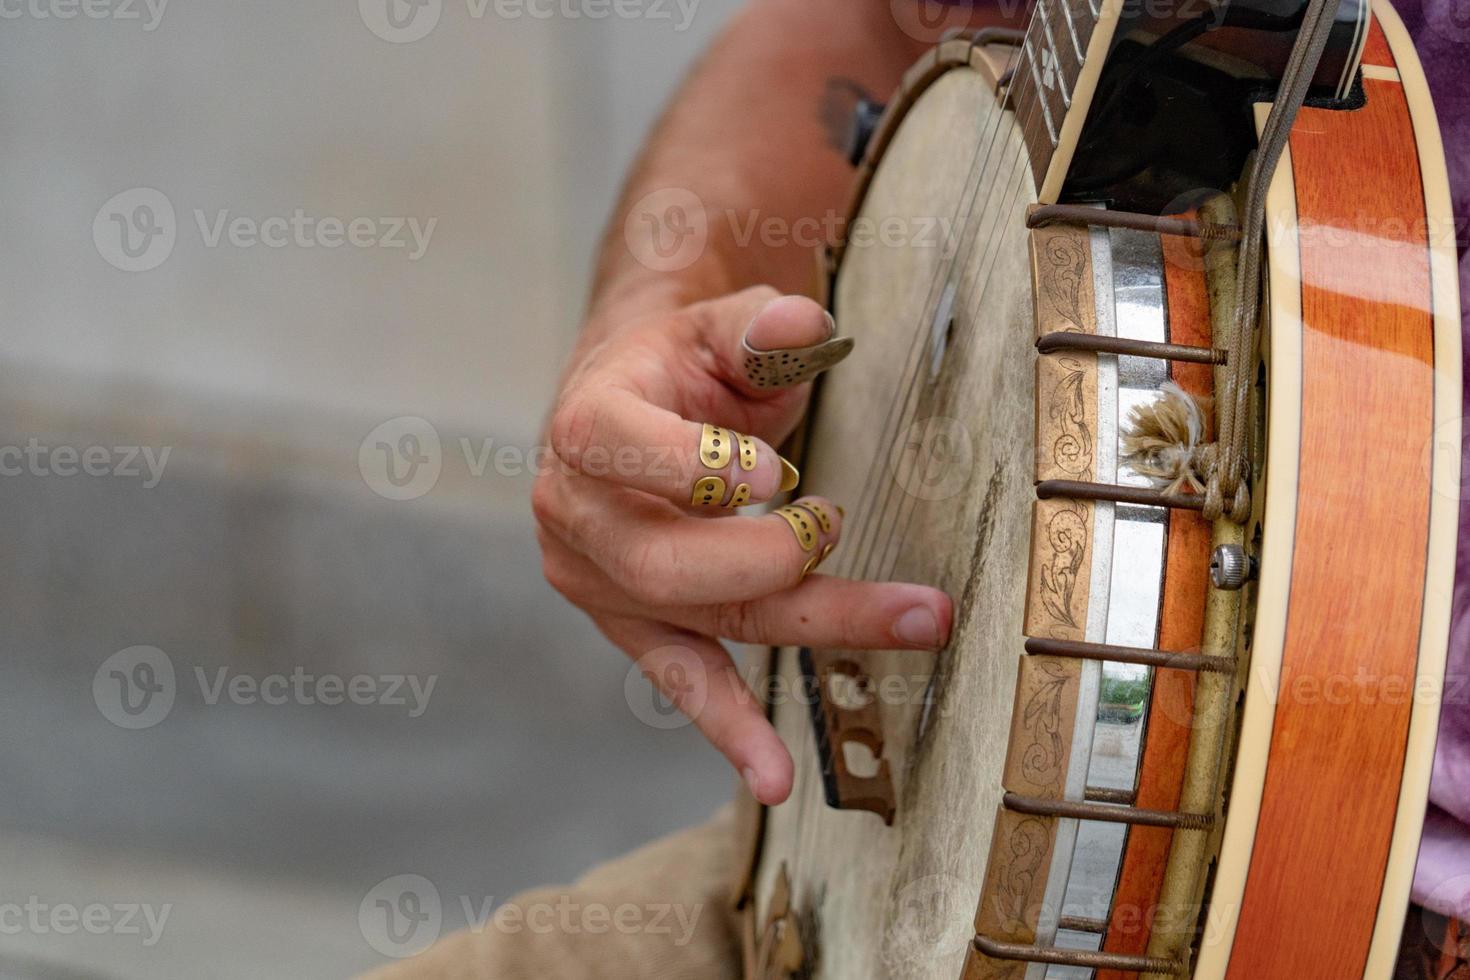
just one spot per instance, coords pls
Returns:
(1171, 409)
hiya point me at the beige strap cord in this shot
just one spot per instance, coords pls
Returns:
(1229, 477)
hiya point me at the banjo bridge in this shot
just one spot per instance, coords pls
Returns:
(849, 734)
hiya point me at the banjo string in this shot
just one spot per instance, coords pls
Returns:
(909, 386)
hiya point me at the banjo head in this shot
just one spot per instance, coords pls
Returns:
(927, 438)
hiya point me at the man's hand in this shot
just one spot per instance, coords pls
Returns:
(662, 573)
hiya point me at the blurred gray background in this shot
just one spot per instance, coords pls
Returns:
(273, 540)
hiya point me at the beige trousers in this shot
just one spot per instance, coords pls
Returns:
(662, 913)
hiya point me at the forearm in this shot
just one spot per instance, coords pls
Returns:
(745, 137)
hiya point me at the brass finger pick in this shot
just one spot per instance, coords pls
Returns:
(824, 519)
(747, 452)
(741, 497)
(793, 366)
(802, 523)
(716, 447)
(709, 491)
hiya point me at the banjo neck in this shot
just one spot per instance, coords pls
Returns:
(1055, 77)
(1078, 53)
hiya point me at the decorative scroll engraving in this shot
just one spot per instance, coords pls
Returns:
(1067, 273)
(1066, 385)
(1061, 558)
(1015, 887)
(1061, 280)
(1041, 726)
(1020, 871)
(1070, 416)
(1043, 758)
(1066, 433)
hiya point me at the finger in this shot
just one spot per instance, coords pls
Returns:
(834, 613)
(697, 676)
(826, 612)
(610, 433)
(664, 558)
(782, 343)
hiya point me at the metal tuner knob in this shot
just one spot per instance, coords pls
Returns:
(1231, 567)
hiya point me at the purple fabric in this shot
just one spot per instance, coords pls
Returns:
(1441, 33)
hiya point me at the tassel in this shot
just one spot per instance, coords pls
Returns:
(1164, 441)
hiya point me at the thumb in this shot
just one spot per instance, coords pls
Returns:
(765, 342)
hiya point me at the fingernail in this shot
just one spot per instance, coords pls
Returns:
(752, 782)
(918, 628)
(831, 324)
(790, 475)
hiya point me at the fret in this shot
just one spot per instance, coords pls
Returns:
(1051, 129)
(1065, 80)
(1042, 89)
(1072, 30)
(1063, 83)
